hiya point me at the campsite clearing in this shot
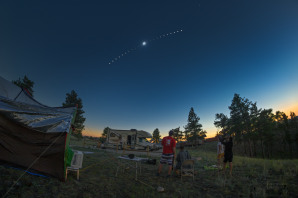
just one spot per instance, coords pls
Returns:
(257, 177)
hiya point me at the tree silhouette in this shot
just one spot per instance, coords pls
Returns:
(193, 126)
(71, 101)
(25, 83)
(156, 135)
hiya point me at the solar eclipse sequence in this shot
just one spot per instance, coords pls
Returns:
(144, 43)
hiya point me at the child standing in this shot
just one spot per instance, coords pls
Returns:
(220, 153)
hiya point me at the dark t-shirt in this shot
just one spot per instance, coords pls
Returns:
(228, 147)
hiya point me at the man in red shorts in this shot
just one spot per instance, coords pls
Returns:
(169, 153)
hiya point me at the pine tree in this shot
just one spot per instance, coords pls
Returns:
(202, 134)
(71, 101)
(105, 132)
(25, 83)
(177, 134)
(193, 125)
(156, 135)
(240, 117)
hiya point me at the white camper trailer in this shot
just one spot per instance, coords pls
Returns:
(133, 139)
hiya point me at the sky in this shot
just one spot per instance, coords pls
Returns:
(225, 47)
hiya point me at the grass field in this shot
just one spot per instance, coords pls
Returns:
(88, 142)
(251, 178)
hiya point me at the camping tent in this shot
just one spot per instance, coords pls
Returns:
(29, 129)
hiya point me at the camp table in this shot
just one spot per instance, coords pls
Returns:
(130, 162)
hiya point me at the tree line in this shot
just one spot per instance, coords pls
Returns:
(192, 130)
(262, 132)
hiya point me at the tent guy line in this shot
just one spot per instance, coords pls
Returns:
(31, 166)
(16, 109)
(144, 43)
(90, 131)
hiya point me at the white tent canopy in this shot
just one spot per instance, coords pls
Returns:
(17, 105)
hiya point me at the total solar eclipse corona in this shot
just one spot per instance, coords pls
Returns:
(143, 44)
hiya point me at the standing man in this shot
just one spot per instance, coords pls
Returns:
(220, 153)
(228, 153)
(169, 152)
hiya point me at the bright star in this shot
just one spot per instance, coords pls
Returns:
(144, 43)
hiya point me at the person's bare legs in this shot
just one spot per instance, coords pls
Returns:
(160, 167)
(231, 167)
(169, 170)
(224, 167)
(220, 163)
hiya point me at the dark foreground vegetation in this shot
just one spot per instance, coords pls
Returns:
(251, 178)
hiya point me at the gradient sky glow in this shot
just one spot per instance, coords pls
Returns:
(226, 47)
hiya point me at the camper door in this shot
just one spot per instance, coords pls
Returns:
(133, 141)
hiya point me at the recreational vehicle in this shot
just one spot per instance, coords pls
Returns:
(133, 139)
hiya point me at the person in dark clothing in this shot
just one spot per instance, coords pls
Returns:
(181, 157)
(228, 153)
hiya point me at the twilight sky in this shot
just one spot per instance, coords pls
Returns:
(226, 47)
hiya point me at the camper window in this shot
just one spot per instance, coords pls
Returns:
(112, 135)
(140, 140)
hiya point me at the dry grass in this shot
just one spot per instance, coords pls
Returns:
(88, 142)
(251, 178)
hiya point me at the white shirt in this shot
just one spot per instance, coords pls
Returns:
(222, 148)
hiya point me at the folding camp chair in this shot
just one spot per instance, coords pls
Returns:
(73, 169)
(188, 169)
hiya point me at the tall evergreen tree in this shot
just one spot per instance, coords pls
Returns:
(288, 134)
(255, 124)
(239, 114)
(25, 83)
(261, 124)
(267, 122)
(73, 100)
(221, 121)
(105, 132)
(178, 135)
(202, 134)
(282, 127)
(193, 125)
(294, 127)
(187, 133)
(175, 134)
(156, 135)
